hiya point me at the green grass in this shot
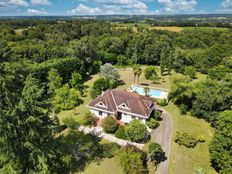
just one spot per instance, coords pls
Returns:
(134, 27)
(106, 166)
(182, 159)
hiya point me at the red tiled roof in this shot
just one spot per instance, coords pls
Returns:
(114, 100)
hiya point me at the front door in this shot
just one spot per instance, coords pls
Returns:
(119, 116)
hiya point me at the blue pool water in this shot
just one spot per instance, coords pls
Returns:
(153, 92)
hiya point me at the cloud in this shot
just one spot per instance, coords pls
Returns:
(111, 7)
(178, 5)
(40, 2)
(83, 9)
(226, 5)
(13, 3)
(36, 12)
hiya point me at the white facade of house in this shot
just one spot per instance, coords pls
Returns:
(125, 117)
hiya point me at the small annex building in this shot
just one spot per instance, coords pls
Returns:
(123, 105)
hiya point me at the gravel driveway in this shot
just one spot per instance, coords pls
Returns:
(163, 136)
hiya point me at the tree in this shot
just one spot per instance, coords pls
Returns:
(139, 72)
(122, 60)
(27, 142)
(155, 152)
(220, 146)
(135, 72)
(109, 72)
(99, 86)
(76, 82)
(150, 72)
(182, 91)
(136, 131)
(54, 80)
(109, 124)
(146, 90)
(131, 160)
(65, 98)
(190, 71)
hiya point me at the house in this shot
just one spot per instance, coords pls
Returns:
(123, 105)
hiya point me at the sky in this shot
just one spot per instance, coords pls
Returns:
(110, 7)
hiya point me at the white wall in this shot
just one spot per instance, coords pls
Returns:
(96, 113)
(126, 118)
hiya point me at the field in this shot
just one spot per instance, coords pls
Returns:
(134, 27)
(182, 160)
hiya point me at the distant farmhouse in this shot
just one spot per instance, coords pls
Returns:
(123, 105)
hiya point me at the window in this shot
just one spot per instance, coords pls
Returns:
(133, 117)
(100, 112)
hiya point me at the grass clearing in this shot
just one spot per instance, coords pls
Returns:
(182, 159)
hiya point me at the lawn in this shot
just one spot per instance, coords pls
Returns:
(106, 166)
(183, 160)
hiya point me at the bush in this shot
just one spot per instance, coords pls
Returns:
(70, 123)
(163, 102)
(132, 160)
(98, 86)
(136, 131)
(183, 109)
(157, 115)
(88, 120)
(155, 151)
(185, 139)
(110, 149)
(109, 124)
(152, 123)
(201, 138)
(120, 133)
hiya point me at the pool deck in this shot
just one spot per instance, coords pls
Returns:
(164, 92)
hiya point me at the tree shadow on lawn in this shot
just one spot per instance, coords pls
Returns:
(85, 149)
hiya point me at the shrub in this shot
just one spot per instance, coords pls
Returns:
(88, 119)
(109, 124)
(201, 138)
(98, 86)
(152, 123)
(120, 133)
(132, 160)
(183, 109)
(163, 102)
(136, 131)
(155, 151)
(185, 139)
(157, 115)
(110, 149)
(70, 123)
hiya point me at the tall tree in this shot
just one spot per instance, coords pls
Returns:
(27, 143)
(109, 72)
(139, 72)
(54, 80)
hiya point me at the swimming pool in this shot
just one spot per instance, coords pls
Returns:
(152, 93)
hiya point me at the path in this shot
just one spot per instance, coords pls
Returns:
(98, 131)
(163, 136)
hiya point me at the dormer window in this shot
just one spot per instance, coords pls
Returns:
(101, 104)
(124, 106)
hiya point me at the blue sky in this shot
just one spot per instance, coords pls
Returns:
(100, 7)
